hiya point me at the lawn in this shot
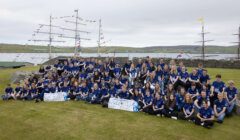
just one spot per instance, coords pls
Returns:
(78, 120)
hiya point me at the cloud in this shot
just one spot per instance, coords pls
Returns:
(127, 23)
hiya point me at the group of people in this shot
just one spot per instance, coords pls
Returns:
(159, 88)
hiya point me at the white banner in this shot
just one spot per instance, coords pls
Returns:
(123, 104)
(58, 96)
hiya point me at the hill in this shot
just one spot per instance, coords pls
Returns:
(16, 48)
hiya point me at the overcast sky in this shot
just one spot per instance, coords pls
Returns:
(126, 22)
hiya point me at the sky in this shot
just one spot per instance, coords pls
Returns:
(135, 23)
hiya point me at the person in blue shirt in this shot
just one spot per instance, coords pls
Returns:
(180, 98)
(123, 94)
(9, 93)
(183, 77)
(132, 74)
(107, 79)
(218, 86)
(231, 96)
(205, 79)
(95, 95)
(205, 116)
(193, 91)
(146, 104)
(200, 98)
(157, 107)
(83, 92)
(200, 69)
(161, 63)
(194, 78)
(135, 95)
(187, 112)
(18, 91)
(180, 66)
(105, 95)
(220, 106)
(171, 107)
(117, 71)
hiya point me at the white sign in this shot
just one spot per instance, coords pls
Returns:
(123, 104)
(58, 96)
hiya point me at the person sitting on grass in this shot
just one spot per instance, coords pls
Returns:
(9, 93)
(171, 107)
(205, 116)
(157, 106)
(188, 109)
(231, 96)
(123, 94)
(18, 91)
(200, 99)
(180, 98)
(95, 95)
(220, 106)
(146, 103)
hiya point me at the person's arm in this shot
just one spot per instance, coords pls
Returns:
(224, 109)
(212, 90)
(196, 103)
(191, 112)
(215, 110)
(202, 119)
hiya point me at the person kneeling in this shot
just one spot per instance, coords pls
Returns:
(205, 116)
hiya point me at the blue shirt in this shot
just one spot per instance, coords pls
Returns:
(194, 77)
(183, 75)
(220, 104)
(158, 103)
(231, 93)
(9, 90)
(65, 89)
(218, 86)
(192, 91)
(204, 79)
(123, 95)
(200, 99)
(188, 108)
(206, 113)
(179, 100)
(147, 99)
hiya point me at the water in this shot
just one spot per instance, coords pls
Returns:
(38, 58)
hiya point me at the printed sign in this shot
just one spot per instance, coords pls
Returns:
(58, 96)
(123, 104)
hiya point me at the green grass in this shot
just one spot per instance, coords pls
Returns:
(78, 120)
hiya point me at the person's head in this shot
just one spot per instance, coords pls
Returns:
(200, 65)
(194, 71)
(106, 73)
(220, 96)
(203, 94)
(231, 84)
(193, 85)
(159, 68)
(132, 66)
(95, 86)
(170, 87)
(183, 69)
(18, 84)
(147, 85)
(171, 97)
(136, 92)
(116, 81)
(181, 64)
(218, 78)
(205, 104)
(84, 84)
(182, 91)
(188, 98)
(204, 72)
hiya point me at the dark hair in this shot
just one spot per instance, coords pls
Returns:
(218, 76)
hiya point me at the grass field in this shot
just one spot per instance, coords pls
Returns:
(78, 120)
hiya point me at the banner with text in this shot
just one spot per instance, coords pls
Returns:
(123, 104)
(58, 96)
